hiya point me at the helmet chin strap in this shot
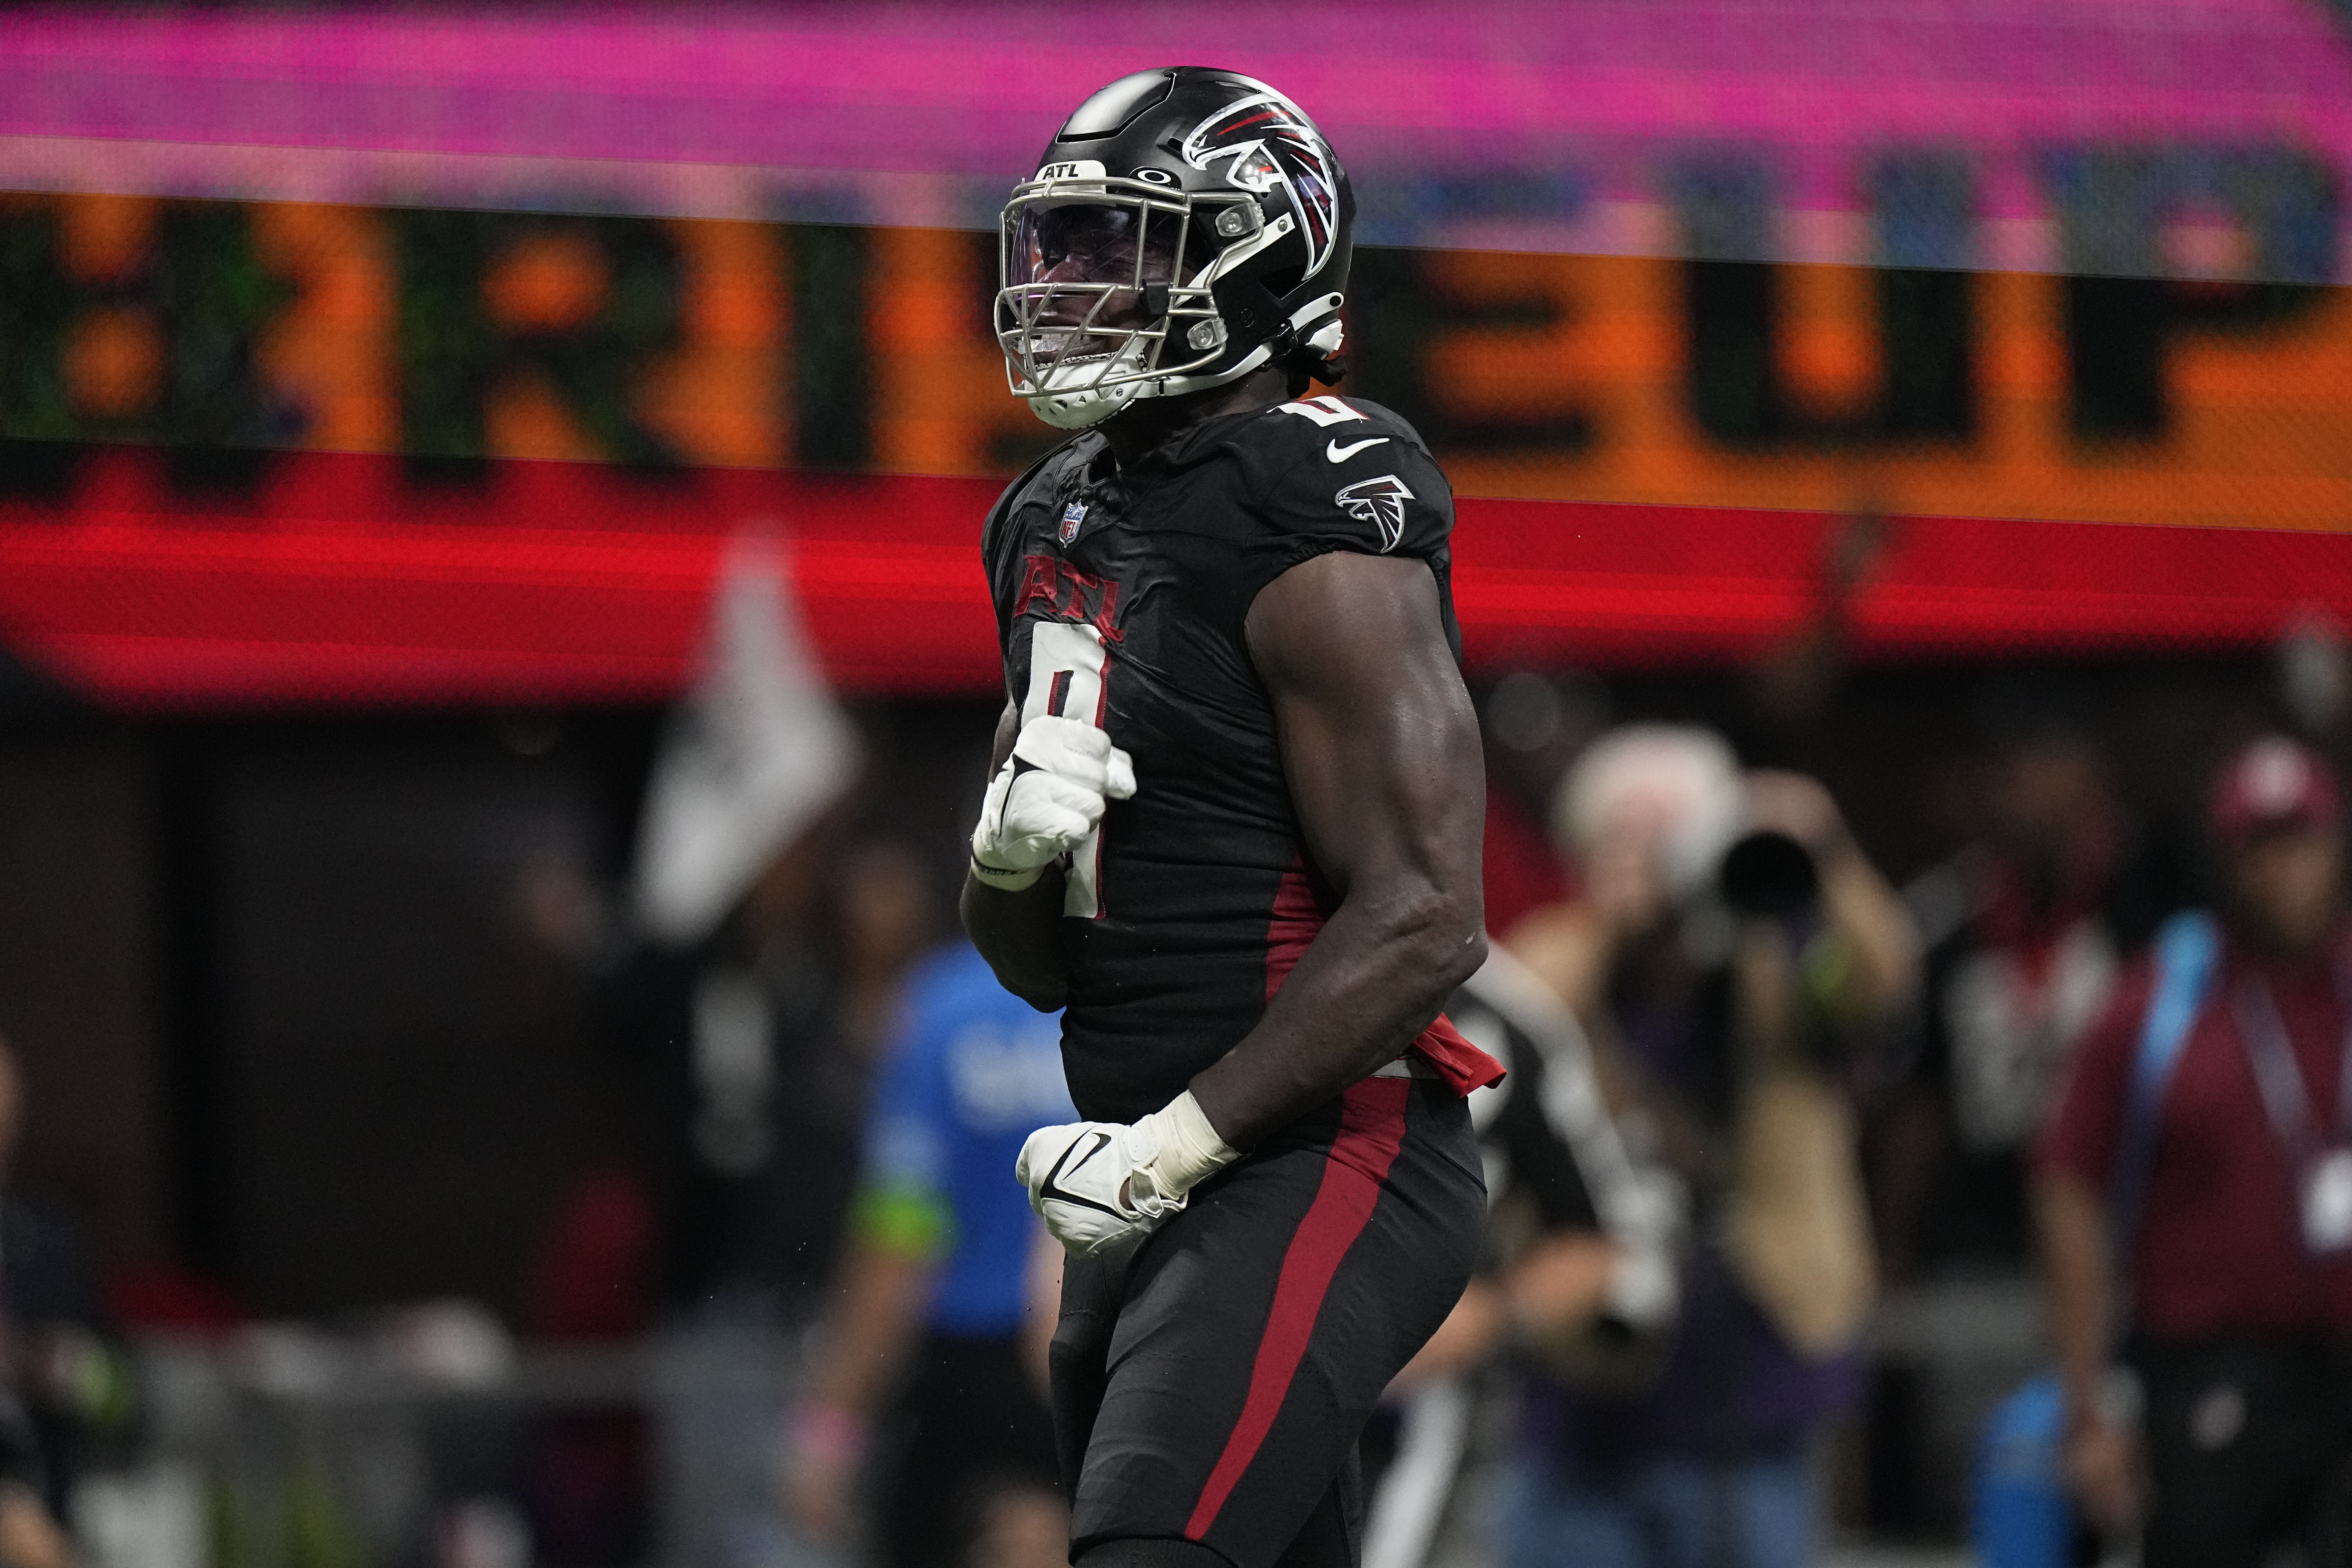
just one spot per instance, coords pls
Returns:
(1082, 410)
(1088, 403)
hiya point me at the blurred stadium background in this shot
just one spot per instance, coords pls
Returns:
(384, 392)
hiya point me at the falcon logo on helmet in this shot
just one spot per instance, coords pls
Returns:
(1380, 502)
(1186, 228)
(1264, 141)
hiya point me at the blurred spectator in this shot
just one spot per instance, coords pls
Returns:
(934, 1295)
(1790, 688)
(64, 1357)
(587, 1476)
(2025, 932)
(881, 919)
(755, 1049)
(67, 1384)
(2314, 678)
(2206, 1203)
(1727, 1005)
(1533, 725)
(592, 1279)
(759, 1044)
(30, 1536)
(1580, 1276)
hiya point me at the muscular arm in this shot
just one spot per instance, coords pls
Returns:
(1380, 749)
(1017, 932)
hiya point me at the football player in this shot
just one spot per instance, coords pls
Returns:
(1233, 829)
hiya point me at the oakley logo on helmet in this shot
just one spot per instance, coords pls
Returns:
(1380, 502)
(1266, 141)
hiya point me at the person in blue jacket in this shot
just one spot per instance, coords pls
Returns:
(930, 1360)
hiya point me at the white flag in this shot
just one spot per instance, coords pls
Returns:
(756, 751)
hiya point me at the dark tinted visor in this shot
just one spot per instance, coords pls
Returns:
(1128, 245)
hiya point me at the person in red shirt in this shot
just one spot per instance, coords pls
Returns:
(2236, 1283)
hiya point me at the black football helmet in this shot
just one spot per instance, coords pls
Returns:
(1184, 227)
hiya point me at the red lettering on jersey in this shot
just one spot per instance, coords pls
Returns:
(1069, 595)
(1036, 582)
(1106, 613)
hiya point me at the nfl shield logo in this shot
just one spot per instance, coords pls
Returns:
(1072, 516)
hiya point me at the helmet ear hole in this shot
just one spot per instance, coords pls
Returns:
(1283, 281)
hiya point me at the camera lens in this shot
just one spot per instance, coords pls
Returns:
(1767, 874)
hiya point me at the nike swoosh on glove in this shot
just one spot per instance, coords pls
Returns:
(1044, 800)
(1102, 1186)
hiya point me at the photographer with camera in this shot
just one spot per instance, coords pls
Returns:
(1730, 950)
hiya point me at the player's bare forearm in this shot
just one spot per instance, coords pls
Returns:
(1379, 745)
(1018, 933)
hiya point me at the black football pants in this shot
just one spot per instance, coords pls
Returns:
(1209, 1388)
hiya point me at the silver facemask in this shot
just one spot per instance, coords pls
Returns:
(1105, 293)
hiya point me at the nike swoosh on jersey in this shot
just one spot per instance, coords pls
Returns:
(1339, 453)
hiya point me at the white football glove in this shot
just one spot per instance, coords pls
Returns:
(1047, 798)
(1105, 1185)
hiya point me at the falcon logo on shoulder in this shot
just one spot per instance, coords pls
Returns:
(1380, 502)
(1270, 141)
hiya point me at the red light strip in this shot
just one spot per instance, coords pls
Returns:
(570, 582)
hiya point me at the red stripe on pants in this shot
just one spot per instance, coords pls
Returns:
(1372, 1129)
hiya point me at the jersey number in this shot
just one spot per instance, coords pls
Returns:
(1325, 411)
(1067, 666)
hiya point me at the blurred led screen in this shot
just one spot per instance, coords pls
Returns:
(336, 346)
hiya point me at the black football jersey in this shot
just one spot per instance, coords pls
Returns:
(1120, 596)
